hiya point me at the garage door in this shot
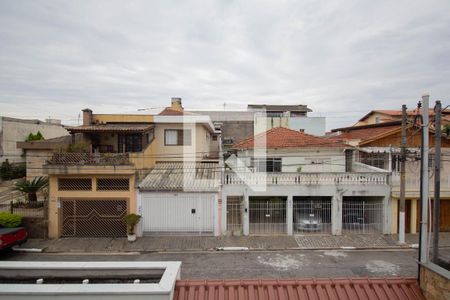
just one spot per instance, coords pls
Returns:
(93, 217)
(182, 213)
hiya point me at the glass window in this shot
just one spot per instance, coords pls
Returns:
(129, 143)
(266, 165)
(177, 137)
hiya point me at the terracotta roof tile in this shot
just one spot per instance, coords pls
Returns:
(319, 289)
(363, 133)
(123, 127)
(280, 137)
(171, 112)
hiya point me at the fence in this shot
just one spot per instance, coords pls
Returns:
(234, 215)
(306, 178)
(362, 216)
(267, 216)
(312, 216)
(12, 207)
(90, 159)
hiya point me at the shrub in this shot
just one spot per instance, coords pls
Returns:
(34, 137)
(10, 220)
(131, 220)
(78, 147)
(30, 188)
(6, 170)
(19, 171)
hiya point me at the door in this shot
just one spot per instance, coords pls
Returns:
(234, 215)
(92, 217)
(177, 213)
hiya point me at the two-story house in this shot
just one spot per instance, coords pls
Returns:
(378, 145)
(93, 182)
(286, 182)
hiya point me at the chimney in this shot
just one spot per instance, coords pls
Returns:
(87, 116)
(176, 104)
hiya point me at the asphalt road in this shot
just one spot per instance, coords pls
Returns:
(268, 264)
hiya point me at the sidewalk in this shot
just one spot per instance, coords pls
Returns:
(198, 243)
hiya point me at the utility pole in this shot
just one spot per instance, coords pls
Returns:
(437, 180)
(423, 255)
(401, 230)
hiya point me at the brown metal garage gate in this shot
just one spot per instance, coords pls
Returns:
(92, 217)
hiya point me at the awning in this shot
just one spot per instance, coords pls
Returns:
(122, 128)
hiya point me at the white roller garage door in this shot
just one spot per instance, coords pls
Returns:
(177, 212)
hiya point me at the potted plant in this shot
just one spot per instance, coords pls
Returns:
(30, 188)
(131, 220)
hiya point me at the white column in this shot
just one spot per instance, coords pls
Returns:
(289, 214)
(140, 226)
(386, 218)
(336, 214)
(224, 213)
(217, 216)
(246, 219)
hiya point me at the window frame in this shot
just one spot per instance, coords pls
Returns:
(182, 135)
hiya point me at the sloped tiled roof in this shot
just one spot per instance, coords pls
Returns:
(281, 137)
(108, 127)
(398, 113)
(179, 176)
(319, 289)
(173, 112)
(365, 132)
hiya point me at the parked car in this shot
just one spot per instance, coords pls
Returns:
(10, 237)
(307, 222)
(353, 220)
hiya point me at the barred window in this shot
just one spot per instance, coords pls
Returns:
(113, 184)
(74, 184)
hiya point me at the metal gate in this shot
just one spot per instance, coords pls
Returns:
(93, 218)
(362, 216)
(234, 215)
(312, 215)
(267, 216)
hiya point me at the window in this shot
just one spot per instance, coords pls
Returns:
(113, 184)
(374, 159)
(150, 136)
(177, 137)
(266, 165)
(130, 143)
(74, 184)
(214, 137)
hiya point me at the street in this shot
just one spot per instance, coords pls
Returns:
(264, 264)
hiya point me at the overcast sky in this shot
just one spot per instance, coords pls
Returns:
(341, 58)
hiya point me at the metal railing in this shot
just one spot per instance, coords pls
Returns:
(312, 216)
(267, 217)
(362, 217)
(234, 215)
(35, 212)
(89, 159)
(232, 178)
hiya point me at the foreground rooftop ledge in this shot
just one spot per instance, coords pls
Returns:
(165, 286)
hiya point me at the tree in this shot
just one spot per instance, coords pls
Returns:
(30, 188)
(34, 137)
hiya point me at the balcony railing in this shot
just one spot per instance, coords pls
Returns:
(232, 178)
(103, 159)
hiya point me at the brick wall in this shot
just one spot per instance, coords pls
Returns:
(433, 285)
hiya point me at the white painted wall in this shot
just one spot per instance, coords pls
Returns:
(325, 159)
(172, 212)
(16, 130)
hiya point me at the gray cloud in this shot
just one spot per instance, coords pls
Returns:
(341, 58)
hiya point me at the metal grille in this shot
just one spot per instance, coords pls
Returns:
(267, 216)
(234, 215)
(113, 184)
(312, 215)
(89, 159)
(362, 216)
(74, 184)
(93, 218)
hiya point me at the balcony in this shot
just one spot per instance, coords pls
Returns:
(90, 159)
(231, 178)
